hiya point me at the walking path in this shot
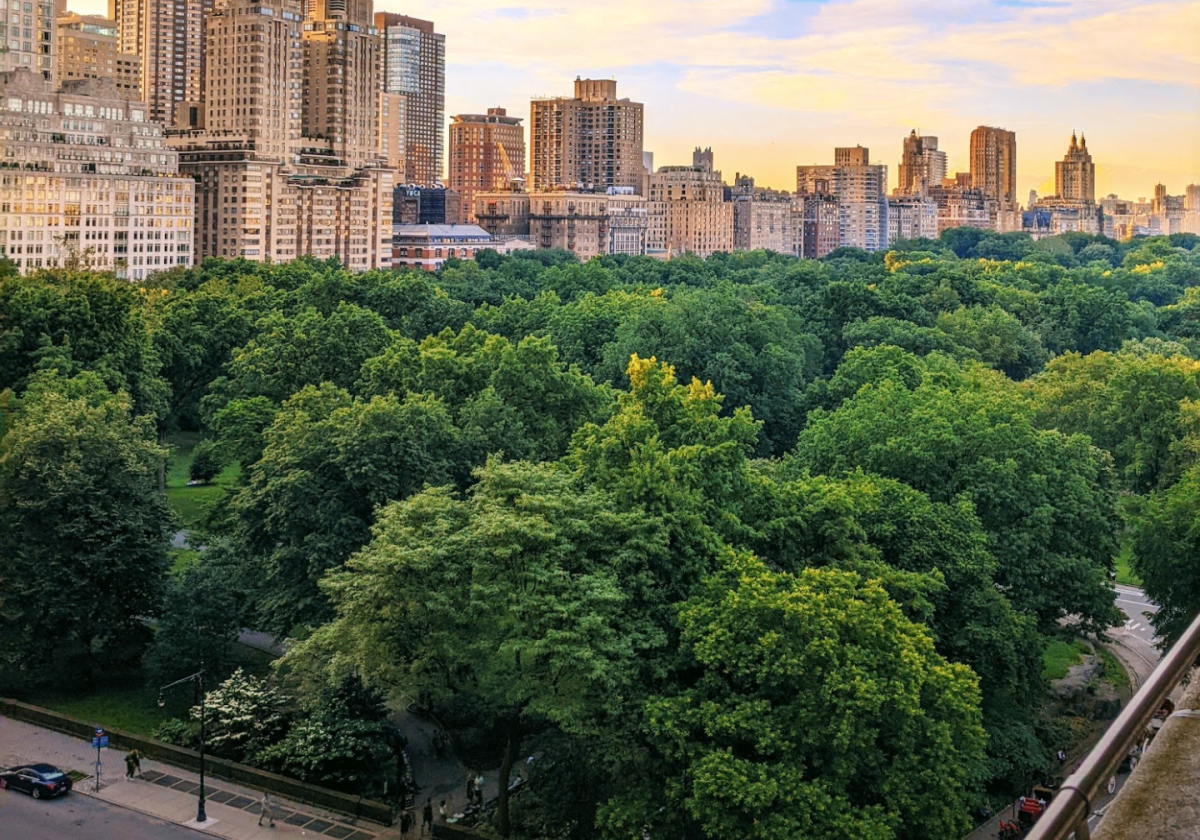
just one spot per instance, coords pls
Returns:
(170, 793)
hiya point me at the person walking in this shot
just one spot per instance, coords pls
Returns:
(266, 809)
(427, 817)
(137, 763)
(470, 787)
(479, 780)
(129, 765)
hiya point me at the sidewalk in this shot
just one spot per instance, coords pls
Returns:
(169, 793)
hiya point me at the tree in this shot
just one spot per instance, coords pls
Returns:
(511, 597)
(206, 462)
(83, 532)
(202, 615)
(328, 463)
(815, 710)
(1165, 538)
(244, 715)
(85, 321)
(1046, 500)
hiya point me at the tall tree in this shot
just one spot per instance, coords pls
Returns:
(83, 531)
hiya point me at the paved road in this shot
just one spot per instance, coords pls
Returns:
(1136, 637)
(75, 816)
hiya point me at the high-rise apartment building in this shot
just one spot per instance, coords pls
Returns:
(414, 66)
(994, 165)
(860, 188)
(169, 37)
(688, 212)
(816, 225)
(591, 141)
(86, 48)
(28, 42)
(912, 217)
(1075, 174)
(487, 153)
(285, 154)
(88, 178)
(922, 165)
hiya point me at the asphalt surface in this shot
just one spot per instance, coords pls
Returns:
(1136, 636)
(75, 816)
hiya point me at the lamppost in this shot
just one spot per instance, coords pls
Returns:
(197, 678)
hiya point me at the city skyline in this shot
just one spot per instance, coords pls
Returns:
(788, 80)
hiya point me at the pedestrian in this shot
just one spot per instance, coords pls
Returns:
(442, 810)
(427, 817)
(470, 787)
(137, 763)
(479, 780)
(266, 809)
(1062, 757)
(406, 822)
(129, 765)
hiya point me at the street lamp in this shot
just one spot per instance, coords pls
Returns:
(197, 678)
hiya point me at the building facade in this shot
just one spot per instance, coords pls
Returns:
(591, 141)
(427, 247)
(762, 218)
(86, 48)
(994, 165)
(816, 225)
(628, 218)
(286, 160)
(1075, 174)
(922, 165)
(575, 222)
(688, 212)
(504, 213)
(87, 179)
(414, 66)
(912, 217)
(169, 38)
(487, 153)
(28, 42)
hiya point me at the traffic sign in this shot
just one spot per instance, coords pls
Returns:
(102, 741)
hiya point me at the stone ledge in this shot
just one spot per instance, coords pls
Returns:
(1162, 797)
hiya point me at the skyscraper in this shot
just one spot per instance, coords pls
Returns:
(285, 151)
(414, 66)
(28, 41)
(591, 141)
(487, 152)
(169, 36)
(921, 165)
(861, 191)
(994, 165)
(1075, 174)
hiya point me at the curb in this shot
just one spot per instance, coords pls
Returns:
(92, 795)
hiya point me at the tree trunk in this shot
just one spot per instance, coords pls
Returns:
(512, 749)
(162, 463)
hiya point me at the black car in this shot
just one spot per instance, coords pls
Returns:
(38, 780)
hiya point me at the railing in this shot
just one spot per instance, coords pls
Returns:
(1072, 805)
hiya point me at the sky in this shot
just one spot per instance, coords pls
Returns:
(770, 84)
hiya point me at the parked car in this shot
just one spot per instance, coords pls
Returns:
(38, 780)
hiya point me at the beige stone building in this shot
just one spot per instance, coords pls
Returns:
(1075, 174)
(962, 206)
(576, 222)
(487, 153)
(628, 222)
(591, 141)
(28, 43)
(169, 38)
(688, 212)
(762, 218)
(287, 161)
(86, 48)
(503, 213)
(392, 116)
(994, 165)
(86, 176)
(816, 225)
(912, 217)
(922, 165)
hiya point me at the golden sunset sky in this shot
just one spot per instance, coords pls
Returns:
(770, 84)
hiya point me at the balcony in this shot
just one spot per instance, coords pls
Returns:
(1161, 799)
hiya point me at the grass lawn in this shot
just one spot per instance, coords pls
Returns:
(128, 704)
(192, 503)
(1060, 656)
(1126, 575)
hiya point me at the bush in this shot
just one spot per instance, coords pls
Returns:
(243, 716)
(206, 462)
(177, 732)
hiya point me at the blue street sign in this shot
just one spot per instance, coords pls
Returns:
(102, 741)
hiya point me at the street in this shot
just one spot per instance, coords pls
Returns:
(77, 816)
(1135, 640)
